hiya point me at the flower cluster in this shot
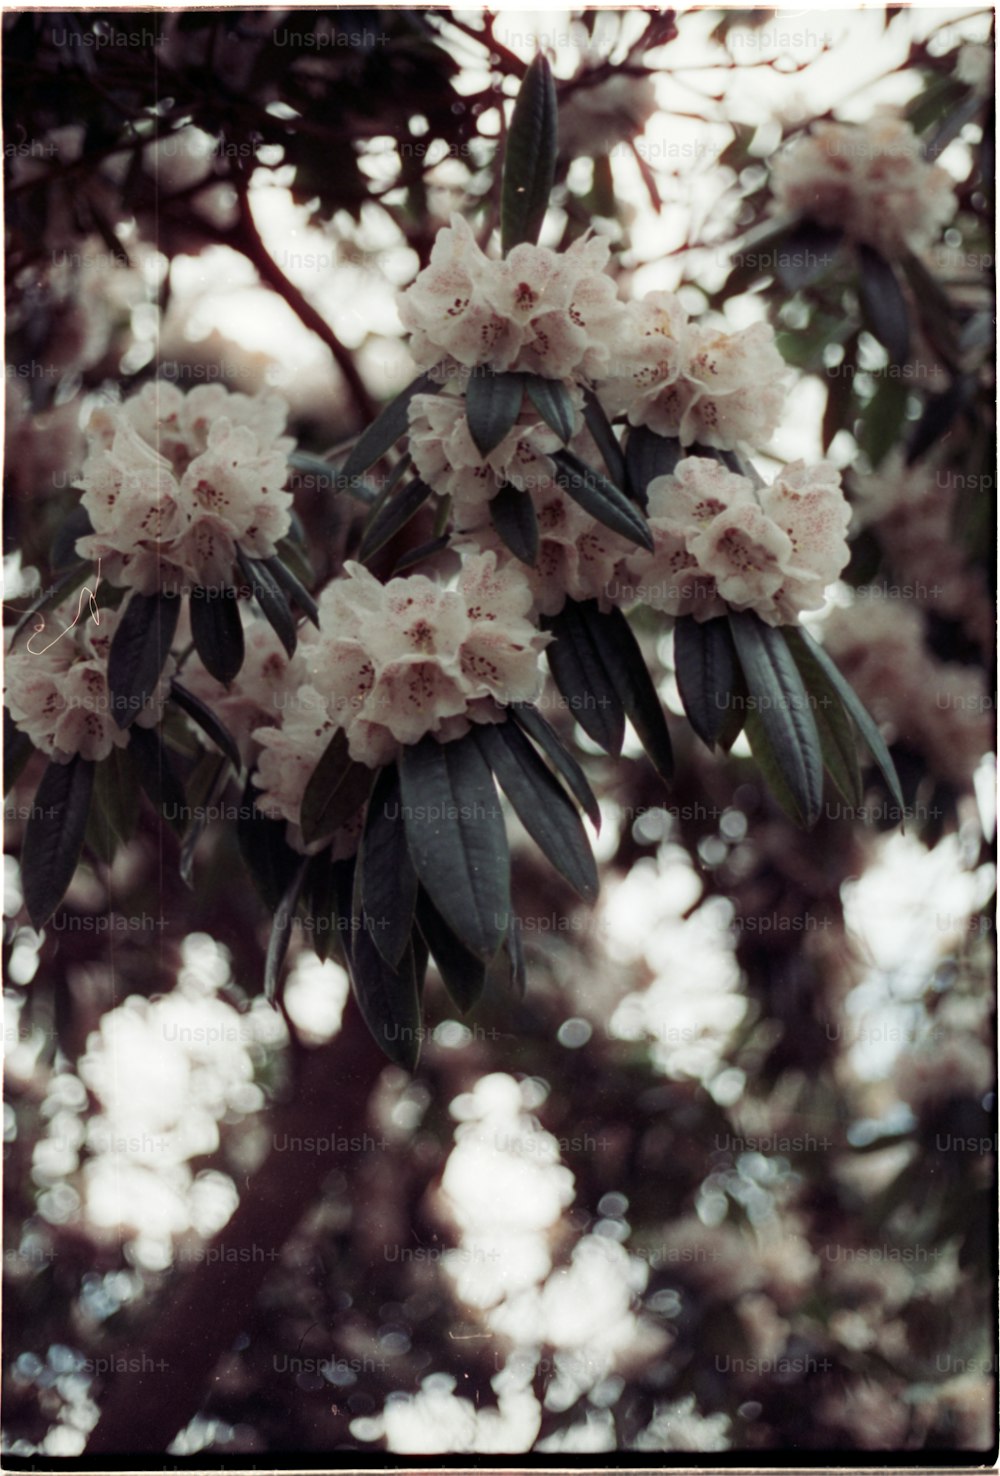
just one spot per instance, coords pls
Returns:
(594, 119)
(254, 698)
(869, 179)
(391, 663)
(173, 483)
(60, 695)
(720, 542)
(700, 384)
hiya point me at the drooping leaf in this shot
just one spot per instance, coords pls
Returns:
(514, 518)
(418, 555)
(204, 790)
(937, 417)
(583, 679)
(207, 721)
(771, 767)
(336, 789)
(530, 162)
(648, 456)
(293, 587)
(271, 599)
(387, 998)
(217, 632)
(462, 973)
(884, 418)
(386, 429)
(883, 303)
(552, 400)
(538, 728)
(116, 790)
(266, 854)
(157, 776)
(53, 836)
(806, 254)
(492, 405)
(777, 695)
(281, 932)
(707, 669)
(615, 641)
(139, 649)
(388, 880)
(836, 732)
(457, 838)
(600, 498)
(605, 439)
(392, 516)
(540, 803)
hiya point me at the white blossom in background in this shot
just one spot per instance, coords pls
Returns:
(174, 482)
(60, 696)
(870, 180)
(594, 119)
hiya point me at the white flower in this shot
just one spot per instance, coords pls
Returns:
(60, 696)
(543, 311)
(595, 118)
(257, 694)
(173, 483)
(870, 180)
(974, 67)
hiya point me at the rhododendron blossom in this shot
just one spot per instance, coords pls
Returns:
(173, 483)
(870, 180)
(57, 685)
(256, 695)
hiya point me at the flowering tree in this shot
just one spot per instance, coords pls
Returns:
(564, 509)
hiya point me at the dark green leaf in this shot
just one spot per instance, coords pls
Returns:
(707, 673)
(605, 439)
(530, 163)
(17, 750)
(515, 951)
(457, 838)
(157, 776)
(514, 518)
(281, 933)
(492, 405)
(600, 498)
(836, 733)
(139, 649)
(778, 696)
(386, 429)
(205, 788)
(207, 721)
(53, 836)
(540, 803)
(552, 400)
(392, 516)
(271, 599)
(337, 788)
(116, 791)
(388, 999)
(883, 304)
(425, 551)
(583, 679)
(318, 898)
(936, 418)
(648, 456)
(884, 417)
(293, 588)
(217, 632)
(538, 728)
(266, 854)
(462, 973)
(388, 880)
(806, 254)
(615, 641)
(770, 766)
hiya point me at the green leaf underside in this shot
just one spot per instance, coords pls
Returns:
(648, 456)
(281, 933)
(540, 803)
(462, 973)
(207, 721)
(770, 767)
(538, 728)
(777, 695)
(530, 160)
(554, 404)
(337, 788)
(457, 838)
(583, 679)
(271, 599)
(392, 516)
(492, 405)
(600, 498)
(293, 587)
(615, 641)
(217, 632)
(388, 880)
(53, 836)
(139, 649)
(707, 669)
(157, 776)
(386, 429)
(836, 731)
(514, 518)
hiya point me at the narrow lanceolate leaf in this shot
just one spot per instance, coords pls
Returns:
(216, 778)
(53, 836)
(614, 638)
(266, 854)
(554, 404)
(281, 932)
(550, 743)
(425, 551)
(139, 649)
(293, 587)
(388, 880)
(492, 405)
(836, 732)
(777, 695)
(771, 767)
(387, 998)
(707, 673)
(883, 304)
(217, 632)
(540, 803)
(157, 776)
(600, 498)
(207, 721)
(648, 456)
(866, 724)
(514, 948)
(583, 679)
(393, 515)
(514, 518)
(462, 973)
(336, 788)
(271, 599)
(530, 162)
(457, 838)
(605, 439)
(385, 430)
